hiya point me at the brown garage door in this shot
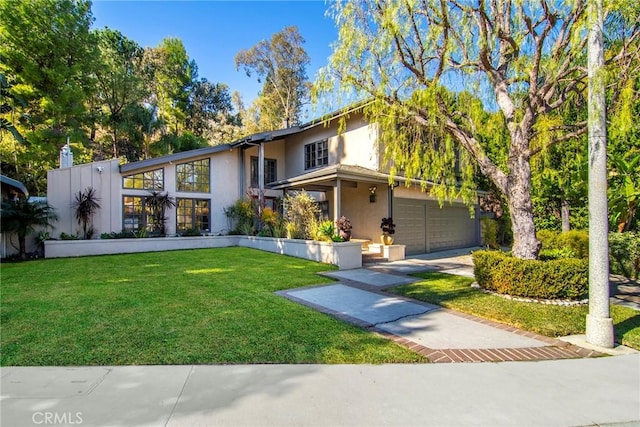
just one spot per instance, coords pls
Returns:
(424, 227)
(410, 217)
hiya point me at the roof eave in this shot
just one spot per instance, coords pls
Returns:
(183, 155)
(17, 185)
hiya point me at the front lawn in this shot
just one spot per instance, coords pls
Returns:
(179, 307)
(454, 292)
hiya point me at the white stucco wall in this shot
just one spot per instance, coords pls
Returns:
(365, 216)
(346, 255)
(64, 184)
(356, 146)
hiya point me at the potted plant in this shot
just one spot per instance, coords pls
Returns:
(344, 228)
(388, 229)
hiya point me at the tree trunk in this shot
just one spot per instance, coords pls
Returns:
(525, 243)
(22, 244)
(564, 214)
(115, 143)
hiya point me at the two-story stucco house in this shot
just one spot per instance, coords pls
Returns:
(343, 170)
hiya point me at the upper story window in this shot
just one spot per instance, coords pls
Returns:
(149, 180)
(193, 176)
(270, 171)
(316, 154)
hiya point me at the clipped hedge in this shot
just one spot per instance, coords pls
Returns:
(566, 278)
(576, 240)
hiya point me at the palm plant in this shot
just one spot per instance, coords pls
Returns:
(158, 203)
(86, 205)
(22, 217)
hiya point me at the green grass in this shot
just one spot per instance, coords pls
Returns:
(454, 292)
(180, 307)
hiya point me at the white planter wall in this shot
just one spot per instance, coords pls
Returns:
(345, 255)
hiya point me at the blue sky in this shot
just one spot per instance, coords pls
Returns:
(213, 32)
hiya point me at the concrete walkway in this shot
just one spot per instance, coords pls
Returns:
(582, 392)
(441, 335)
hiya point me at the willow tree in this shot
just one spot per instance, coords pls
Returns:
(427, 64)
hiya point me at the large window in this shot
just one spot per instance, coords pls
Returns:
(149, 180)
(193, 176)
(193, 214)
(316, 154)
(270, 171)
(136, 214)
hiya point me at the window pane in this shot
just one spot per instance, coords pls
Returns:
(254, 171)
(270, 171)
(323, 153)
(193, 176)
(193, 213)
(316, 154)
(134, 213)
(150, 180)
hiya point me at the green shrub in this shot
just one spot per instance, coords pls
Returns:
(575, 240)
(292, 231)
(624, 254)
(124, 234)
(548, 238)
(302, 210)
(190, 232)
(549, 254)
(65, 236)
(554, 279)
(241, 216)
(324, 231)
(490, 233)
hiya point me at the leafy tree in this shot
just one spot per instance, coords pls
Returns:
(172, 143)
(173, 74)
(120, 80)
(143, 125)
(86, 205)
(208, 104)
(281, 65)
(526, 58)
(48, 56)
(7, 102)
(22, 217)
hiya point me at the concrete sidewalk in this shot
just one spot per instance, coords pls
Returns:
(552, 393)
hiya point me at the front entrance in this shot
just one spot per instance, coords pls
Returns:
(424, 227)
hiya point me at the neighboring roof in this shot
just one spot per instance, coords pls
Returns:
(143, 164)
(14, 184)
